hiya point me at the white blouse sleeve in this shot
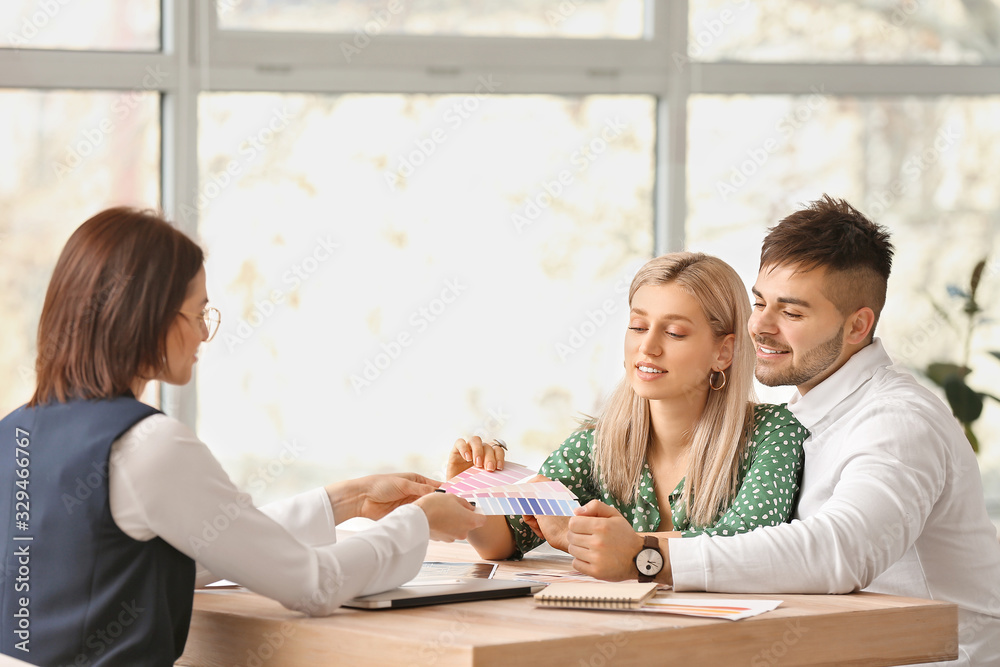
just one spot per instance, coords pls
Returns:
(164, 482)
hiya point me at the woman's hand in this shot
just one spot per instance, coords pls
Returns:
(375, 496)
(450, 518)
(552, 529)
(466, 454)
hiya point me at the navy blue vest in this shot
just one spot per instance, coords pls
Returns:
(76, 590)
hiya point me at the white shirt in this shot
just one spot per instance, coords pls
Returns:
(163, 481)
(891, 502)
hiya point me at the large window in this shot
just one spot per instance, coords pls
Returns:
(421, 217)
(107, 25)
(369, 18)
(921, 166)
(943, 31)
(67, 155)
(414, 268)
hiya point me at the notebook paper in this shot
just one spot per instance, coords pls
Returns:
(600, 595)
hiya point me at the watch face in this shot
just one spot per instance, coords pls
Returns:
(649, 561)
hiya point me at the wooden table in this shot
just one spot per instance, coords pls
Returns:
(230, 628)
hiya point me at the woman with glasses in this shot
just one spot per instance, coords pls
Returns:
(115, 511)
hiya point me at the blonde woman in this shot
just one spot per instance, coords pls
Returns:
(681, 446)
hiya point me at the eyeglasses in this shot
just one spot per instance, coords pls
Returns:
(210, 318)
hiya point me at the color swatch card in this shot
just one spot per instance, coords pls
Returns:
(476, 479)
(536, 498)
(498, 492)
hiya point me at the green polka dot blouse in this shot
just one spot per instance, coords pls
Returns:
(767, 486)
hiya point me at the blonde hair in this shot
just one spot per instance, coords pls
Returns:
(719, 438)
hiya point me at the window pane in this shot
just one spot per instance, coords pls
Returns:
(104, 25)
(66, 156)
(397, 271)
(514, 18)
(923, 167)
(944, 31)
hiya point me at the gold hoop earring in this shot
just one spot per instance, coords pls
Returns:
(711, 382)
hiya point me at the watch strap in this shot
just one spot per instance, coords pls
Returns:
(648, 542)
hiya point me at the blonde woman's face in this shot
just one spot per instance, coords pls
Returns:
(670, 349)
(186, 334)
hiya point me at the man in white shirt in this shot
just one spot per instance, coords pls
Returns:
(891, 498)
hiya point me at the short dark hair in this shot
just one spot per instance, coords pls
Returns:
(117, 287)
(830, 233)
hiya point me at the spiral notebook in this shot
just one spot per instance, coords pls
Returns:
(595, 595)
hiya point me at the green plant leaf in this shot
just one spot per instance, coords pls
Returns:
(966, 403)
(956, 292)
(940, 373)
(973, 440)
(977, 275)
(971, 307)
(995, 353)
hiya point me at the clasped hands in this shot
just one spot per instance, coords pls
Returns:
(448, 516)
(602, 542)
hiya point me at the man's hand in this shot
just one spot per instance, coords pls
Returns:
(602, 542)
(375, 496)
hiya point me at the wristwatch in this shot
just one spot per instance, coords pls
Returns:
(649, 561)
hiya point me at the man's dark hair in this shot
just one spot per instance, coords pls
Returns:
(831, 234)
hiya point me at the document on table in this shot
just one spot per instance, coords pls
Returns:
(434, 573)
(730, 610)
